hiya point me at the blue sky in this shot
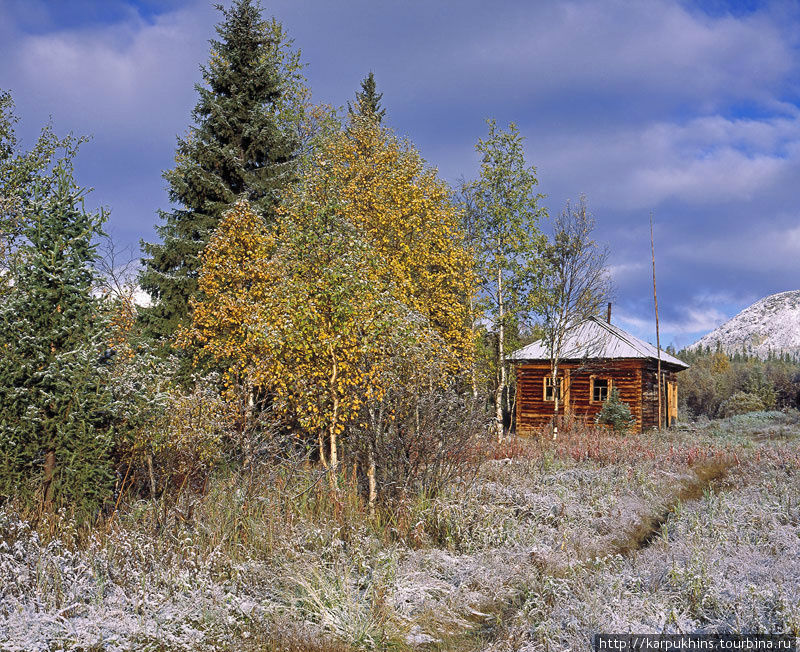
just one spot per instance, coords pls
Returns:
(690, 110)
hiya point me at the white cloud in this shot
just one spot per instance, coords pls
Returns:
(598, 88)
(705, 160)
(619, 272)
(645, 50)
(128, 80)
(694, 320)
(725, 175)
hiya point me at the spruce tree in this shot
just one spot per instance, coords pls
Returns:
(368, 101)
(240, 146)
(56, 420)
(19, 171)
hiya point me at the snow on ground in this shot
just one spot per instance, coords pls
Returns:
(546, 548)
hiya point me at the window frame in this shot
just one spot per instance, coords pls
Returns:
(547, 383)
(610, 382)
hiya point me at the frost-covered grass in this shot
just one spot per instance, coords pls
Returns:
(727, 562)
(697, 529)
(242, 573)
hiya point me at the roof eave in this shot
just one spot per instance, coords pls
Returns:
(679, 365)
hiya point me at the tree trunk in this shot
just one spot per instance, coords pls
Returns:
(559, 335)
(376, 436)
(501, 370)
(556, 397)
(153, 497)
(333, 457)
(473, 371)
(506, 390)
(246, 439)
(322, 458)
(373, 492)
(47, 482)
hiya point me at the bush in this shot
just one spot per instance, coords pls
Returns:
(615, 413)
(742, 403)
(169, 437)
(422, 434)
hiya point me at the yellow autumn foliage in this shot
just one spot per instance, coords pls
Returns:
(235, 285)
(366, 251)
(299, 320)
(382, 186)
(327, 320)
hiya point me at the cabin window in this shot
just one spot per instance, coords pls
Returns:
(600, 389)
(548, 389)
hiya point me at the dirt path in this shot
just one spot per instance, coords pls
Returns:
(706, 476)
(490, 624)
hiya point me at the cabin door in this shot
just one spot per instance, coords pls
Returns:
(672, 402)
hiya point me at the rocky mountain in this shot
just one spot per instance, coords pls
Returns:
(771, 324)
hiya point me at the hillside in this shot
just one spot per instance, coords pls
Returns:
(771, 324)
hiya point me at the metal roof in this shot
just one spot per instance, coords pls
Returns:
(595, 338)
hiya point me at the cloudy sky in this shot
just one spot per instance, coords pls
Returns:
(688, 110)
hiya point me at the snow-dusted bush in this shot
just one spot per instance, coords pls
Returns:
(424, 433)
(616, 413)
(741, 403)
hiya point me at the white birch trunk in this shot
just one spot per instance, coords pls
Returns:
(501, 371)
(373, 492)
(556, 397)
(333, 456)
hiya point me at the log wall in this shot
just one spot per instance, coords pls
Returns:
(533, 411)
(650, 393)
(634, 378)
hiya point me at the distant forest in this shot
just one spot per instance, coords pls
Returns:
(720, 385)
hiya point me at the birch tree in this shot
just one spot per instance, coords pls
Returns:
(503, 214)
(403, 211)
(296, 313)
(574, 286)
(367, 249)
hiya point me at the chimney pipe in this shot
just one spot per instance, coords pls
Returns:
(608, 318)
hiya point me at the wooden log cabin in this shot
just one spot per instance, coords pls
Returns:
(596, 358)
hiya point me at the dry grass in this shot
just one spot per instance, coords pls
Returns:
(693, 530)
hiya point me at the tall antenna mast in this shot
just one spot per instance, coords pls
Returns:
(655, 301)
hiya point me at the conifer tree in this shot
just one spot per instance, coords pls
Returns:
(368, 100)
(243, 144)
(55, 408)
(18, 173)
